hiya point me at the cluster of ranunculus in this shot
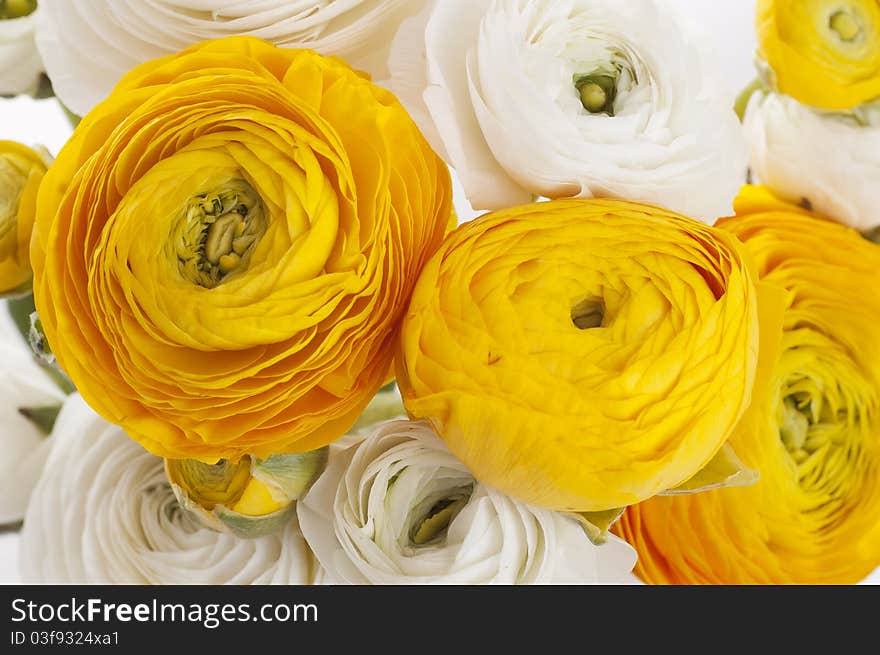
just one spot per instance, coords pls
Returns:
(246, 240)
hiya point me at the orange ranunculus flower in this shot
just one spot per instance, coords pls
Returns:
(582, 354)
(813, 431)
(226, 246)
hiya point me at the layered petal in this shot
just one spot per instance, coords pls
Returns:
(827, 161)
(103, 513)
(89, 45)
(225, 247)
(395, 507)
(570, 98)
(813, 431)
(582, 354)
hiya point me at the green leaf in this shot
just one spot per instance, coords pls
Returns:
(43, 417)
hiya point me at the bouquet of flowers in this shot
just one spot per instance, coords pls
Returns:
(246, 339)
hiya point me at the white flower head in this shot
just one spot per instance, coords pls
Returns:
(831, 161)
(24, 447)
(104, 513)
(394, 506)
(20, 64)
(88, 45)
(571, 98)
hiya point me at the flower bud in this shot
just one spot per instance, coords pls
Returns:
(249, 498)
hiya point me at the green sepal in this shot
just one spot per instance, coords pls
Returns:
(254, 527)
(597, 524)
(726, 469)
(293, 474)
(758, 85)
(28, 323)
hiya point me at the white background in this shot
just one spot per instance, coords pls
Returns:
(726, 24)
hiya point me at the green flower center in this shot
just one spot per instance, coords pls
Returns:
(810, 421)
(218, 232)
(430, 526)
(16, 8)
(587, 314)
(598, 90)
(845, 25)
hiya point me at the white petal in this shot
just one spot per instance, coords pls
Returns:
(500, 90)
(103, 513)
(20, 63)
(88, 45)
(23, 447)
(829, 160)
(359, 515)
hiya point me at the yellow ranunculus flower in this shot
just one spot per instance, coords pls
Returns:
(813, 432)
(582, 354)
(21, 170)
(226, 245)
(824, 53)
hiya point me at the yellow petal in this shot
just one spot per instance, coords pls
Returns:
(812, 429)
(582, 355)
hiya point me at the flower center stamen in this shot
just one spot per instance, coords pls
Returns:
(845, 25)
(218, 232)
(808, 421)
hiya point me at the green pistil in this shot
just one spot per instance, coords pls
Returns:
(597, 92)
(16, 8)
(846, 26)
(436, 522)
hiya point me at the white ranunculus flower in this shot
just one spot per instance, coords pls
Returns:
(563, 98)
(829, 160)
(88, 45)
(394, 506)
(24, 447)
(104, 513)
(20, 64)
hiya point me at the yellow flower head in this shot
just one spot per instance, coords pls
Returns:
(824, 53)
(21, 170)
(582, 354)
(813, 432)
(226, 245)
